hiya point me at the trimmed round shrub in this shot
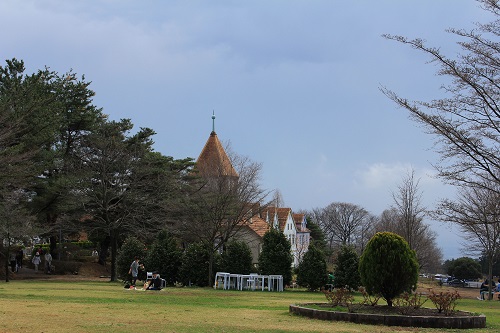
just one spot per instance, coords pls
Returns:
(388, 267)
(312, 269)
(346, 272)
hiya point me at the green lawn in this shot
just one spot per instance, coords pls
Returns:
(56, 306)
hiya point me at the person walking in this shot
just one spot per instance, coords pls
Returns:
(48, 262)
(134, 270)
(36, 261)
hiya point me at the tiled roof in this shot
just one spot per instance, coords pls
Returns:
(213, 160)
(283, 216)
(258, 225)
(298, 218)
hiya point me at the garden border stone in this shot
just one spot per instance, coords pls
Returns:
(460, 322)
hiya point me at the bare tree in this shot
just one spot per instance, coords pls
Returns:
(366, 232)
(278, 200)
(477, 213)
(466, 123)
(341, 222)
(408, 203)
(406, 218)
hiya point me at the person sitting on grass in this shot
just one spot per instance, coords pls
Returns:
(155, 282)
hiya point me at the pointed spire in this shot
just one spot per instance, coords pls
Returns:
(213, 121)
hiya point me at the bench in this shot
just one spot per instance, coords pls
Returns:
(484, 293)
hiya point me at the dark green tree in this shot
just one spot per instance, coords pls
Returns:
(194, 269)
(127, 186)
(276, 257)
(346, 271)
(131, 248)
(43, 117)
(73, 118)
(317, 236)
(312, 272)
(26, 124)
(464, 268)
(388, 266)
(237, 258)
(165, 257)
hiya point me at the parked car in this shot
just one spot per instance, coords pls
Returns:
(457, 283)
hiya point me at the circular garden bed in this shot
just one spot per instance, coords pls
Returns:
(388, 316)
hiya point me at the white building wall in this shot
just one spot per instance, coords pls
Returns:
(290, 232)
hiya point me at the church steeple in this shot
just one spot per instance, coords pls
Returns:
(213, 160)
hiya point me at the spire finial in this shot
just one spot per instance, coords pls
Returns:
(213, 121)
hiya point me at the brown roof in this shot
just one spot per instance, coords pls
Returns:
(298, 218)
(283, 216)
(213, 160)
(258, 225)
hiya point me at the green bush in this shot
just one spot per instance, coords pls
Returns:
(346, 272)
(85, 244)
(311, 272)
(194, 268)
(237, 258)
(388, 266)
(165, 257)
(131, 248)
(276, 257)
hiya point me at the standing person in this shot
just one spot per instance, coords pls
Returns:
(13, 263)
(48, 262)
(19, 258)
(134, 270)
(36, 261)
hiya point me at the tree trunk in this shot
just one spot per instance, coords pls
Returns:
(7, 266)
(53, 244)
(210, 268)
(490, 278)
(7, 258)
(114, 250)
(103, 251)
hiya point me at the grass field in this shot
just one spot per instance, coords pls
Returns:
(84, 306)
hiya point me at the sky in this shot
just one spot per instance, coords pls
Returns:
(295, 85)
